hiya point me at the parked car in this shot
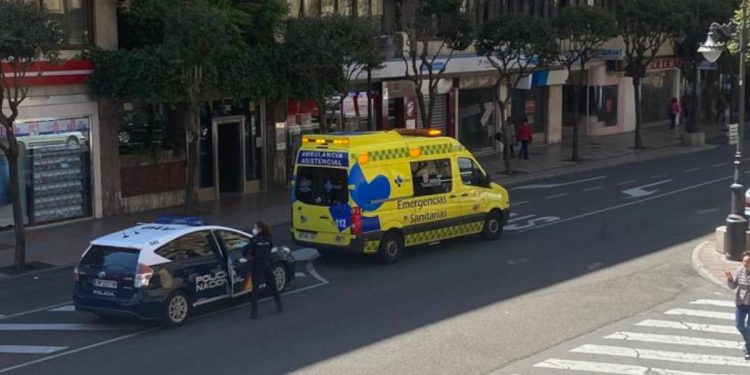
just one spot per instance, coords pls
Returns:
(163, 270)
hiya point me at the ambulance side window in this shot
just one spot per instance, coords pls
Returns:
(471, 174)
(431, 177)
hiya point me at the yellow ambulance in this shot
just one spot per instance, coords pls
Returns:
(378, 192)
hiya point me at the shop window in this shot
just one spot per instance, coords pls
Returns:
(76, 18)
(477, 119)
(431, 177)
(143, 129)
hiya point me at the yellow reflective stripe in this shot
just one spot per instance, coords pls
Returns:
(443, 233)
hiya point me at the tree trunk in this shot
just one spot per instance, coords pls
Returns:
(323, 112)
(637, 94)
(193, 144)
(15, 196)
(576, 114)
(505, 129)
(370, 125)
(424, 115)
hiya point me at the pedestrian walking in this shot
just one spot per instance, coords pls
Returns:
(260, 267)
(525, 136)
(674, 113)
(740, 280)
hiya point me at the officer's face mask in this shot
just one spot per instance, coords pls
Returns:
(256, 230)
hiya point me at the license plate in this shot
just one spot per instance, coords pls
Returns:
(105, 283)
(306, 235)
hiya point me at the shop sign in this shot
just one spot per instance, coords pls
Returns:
(48, 127)
(606, 54)
(664, 63)
(69, 72)
(281, 136)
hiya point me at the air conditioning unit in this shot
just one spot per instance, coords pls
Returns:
(403, 43)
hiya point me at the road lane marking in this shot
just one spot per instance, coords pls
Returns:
(594, 188)
(35, 310)
(520, 218)
(30, 349)
(639, 191)
(715, 328)
(603, 210)
(310, 269)
(84, 348)
(657, 176)
(713, 302)
(691, 170)
(519, 203)
(64, 308)
(557, 195)
(718, 165)
(609, 368)
(676, 340)
(701, 313)
(300, 274)
(67, 327)
(662, 355)
(625, 182)
(547, 186)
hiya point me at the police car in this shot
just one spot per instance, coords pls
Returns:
(163, 270)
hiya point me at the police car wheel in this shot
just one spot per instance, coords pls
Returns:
(280, 276)
(177, 309)
(493, 226)
(391, 248)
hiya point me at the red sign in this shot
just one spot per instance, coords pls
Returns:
(42, 73)
(663, 63)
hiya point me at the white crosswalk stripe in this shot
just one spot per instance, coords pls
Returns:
(715, 328)
(694, 337)
(611, 368)
(713, 302)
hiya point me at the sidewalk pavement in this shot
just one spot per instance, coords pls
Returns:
(711, 263)
(62, 244)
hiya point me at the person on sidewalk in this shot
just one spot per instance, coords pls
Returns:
(525, 136)
(260, 267)
(721, 108)
(740, 280)
(674, 112)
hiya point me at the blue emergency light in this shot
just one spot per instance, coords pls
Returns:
(181, 220)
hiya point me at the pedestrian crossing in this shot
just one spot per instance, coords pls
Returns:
(695, 337)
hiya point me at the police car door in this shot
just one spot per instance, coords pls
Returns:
(201, 267)
(233, 245)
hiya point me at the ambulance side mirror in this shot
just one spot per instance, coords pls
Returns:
(487, 180)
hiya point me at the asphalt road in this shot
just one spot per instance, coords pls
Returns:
(582, 252)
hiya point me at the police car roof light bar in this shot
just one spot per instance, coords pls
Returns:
(183, 220)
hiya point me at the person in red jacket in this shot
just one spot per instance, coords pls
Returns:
(525, 136)
(674, 112)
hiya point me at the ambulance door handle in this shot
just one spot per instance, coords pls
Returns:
(465, 194)
(452, 196)
(325, 217)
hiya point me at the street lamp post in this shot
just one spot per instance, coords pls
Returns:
(734, 240)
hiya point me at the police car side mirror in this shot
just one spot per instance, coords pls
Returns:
(242, 260)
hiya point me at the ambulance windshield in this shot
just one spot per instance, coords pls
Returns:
(321, 186)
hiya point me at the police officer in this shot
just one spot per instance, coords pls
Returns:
(260, 266)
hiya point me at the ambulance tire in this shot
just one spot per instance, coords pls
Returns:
(493, 226)
(391, 248)
(176, 309)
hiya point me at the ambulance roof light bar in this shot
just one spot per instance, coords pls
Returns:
(420, 132)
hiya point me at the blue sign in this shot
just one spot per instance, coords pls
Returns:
(323, 158)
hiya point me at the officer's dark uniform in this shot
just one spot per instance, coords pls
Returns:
(260, 270)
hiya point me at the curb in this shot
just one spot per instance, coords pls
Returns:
(701, 268)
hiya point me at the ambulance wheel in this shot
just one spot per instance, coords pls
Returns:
(493, 226)
(391, 248)
(176, 309)
(280, 276)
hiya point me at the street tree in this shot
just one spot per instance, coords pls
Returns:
(516, 46)
(435, 32)
(326, 53)
(645, 26)
(173, 54)
(28, 34)
(580, 31)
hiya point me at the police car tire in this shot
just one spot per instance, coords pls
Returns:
(178, 299)
(391, 248)
(277, 269)
(493, 226)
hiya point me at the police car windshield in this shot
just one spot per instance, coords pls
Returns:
(321, 186)
(111, 257)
